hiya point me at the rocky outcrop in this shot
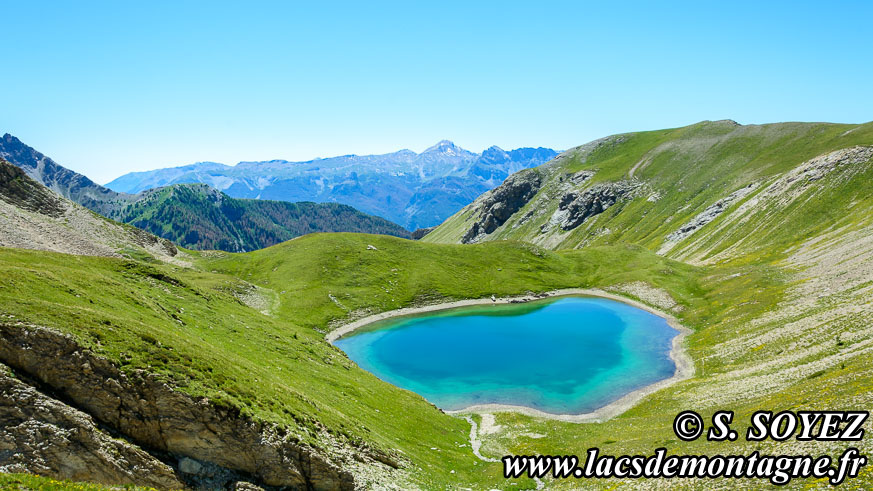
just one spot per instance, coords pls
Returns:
(709, 214)
(419, 233)
(578, 178)
(41, 435)
(61, 180)
(151, 414)
(18, 189)
(794, 182)
(495, 207)
(577, 206)
(34, 217)
(780, 192)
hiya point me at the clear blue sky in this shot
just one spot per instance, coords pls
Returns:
(107, 88)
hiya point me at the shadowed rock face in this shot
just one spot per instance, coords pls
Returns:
(61, 180)
(421, 232)
(45, 436)
(20, 190)
(206, 439)
(34, 217)
(575, 207)
(498, 205)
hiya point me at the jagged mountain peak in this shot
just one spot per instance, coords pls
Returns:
(445, 147)
(494, 154)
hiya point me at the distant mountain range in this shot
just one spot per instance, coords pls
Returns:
(196, 216)
(416, 190)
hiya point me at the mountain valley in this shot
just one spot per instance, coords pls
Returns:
(194, 215)
(415, 190)
(211, 368)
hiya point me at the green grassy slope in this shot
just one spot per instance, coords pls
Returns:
(684, 170)
(788, 281)
(34, 482)
(188, 326)
(779, 298)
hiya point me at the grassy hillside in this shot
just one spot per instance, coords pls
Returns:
(196, 216)
(776, 284)
(782, 217)
(189, 326)
(205, 331)
(679, 173)
(26, 194)
(31, 481)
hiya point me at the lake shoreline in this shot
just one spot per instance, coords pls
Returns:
(681, 359)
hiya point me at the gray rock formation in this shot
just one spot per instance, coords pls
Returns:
(419, 233)
(710, 213)
(36, 218)
(41, 435)
(496, 206)
(577, 206)
(63, 181)
(154, 416)
(817, 168)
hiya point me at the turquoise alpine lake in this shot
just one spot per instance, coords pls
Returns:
(566, 355)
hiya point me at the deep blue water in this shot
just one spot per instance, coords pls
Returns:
(564, 356)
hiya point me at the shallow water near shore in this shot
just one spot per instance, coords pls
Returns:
(569, 355)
